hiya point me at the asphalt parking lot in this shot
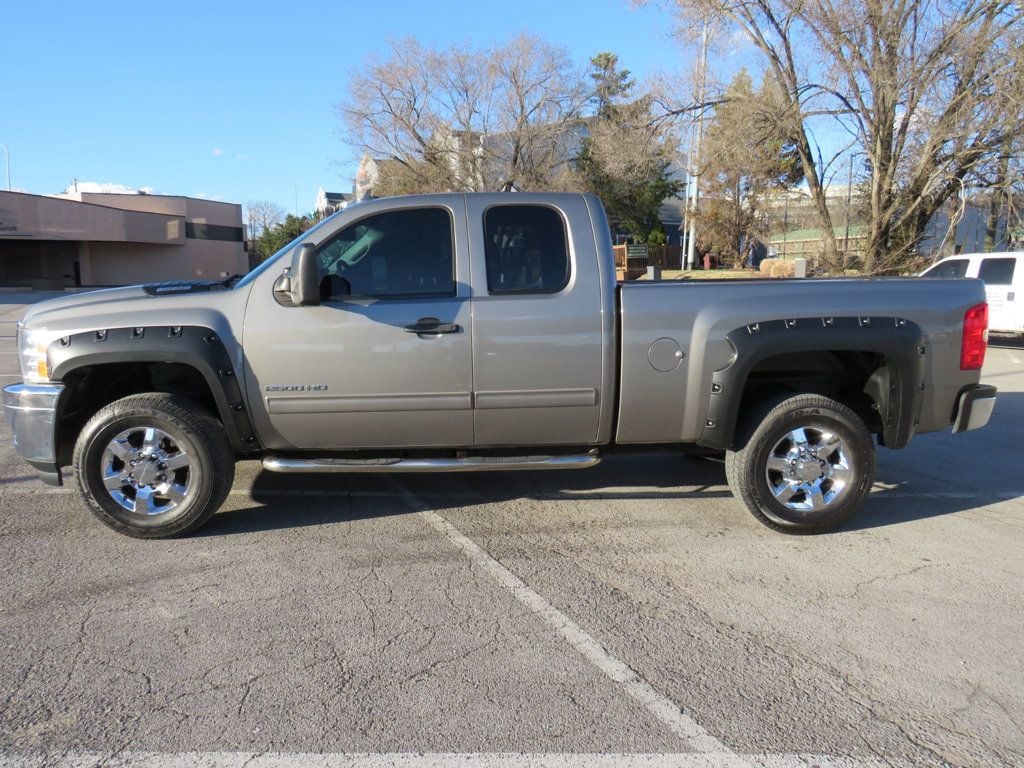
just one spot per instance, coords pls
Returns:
(629, 615)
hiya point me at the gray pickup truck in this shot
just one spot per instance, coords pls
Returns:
(486, 332)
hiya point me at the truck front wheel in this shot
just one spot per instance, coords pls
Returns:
(802, 465)
(153, 465)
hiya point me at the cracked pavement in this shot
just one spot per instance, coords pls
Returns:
(325, 615)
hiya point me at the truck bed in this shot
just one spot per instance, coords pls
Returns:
(698, 317)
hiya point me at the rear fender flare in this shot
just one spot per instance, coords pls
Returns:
(896, 387)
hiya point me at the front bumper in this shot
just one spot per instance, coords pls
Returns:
(974, 408)
(31, 411)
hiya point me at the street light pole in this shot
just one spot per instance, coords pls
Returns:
(7, 156)
(691, 246)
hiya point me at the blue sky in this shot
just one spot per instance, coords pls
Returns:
(235, 101)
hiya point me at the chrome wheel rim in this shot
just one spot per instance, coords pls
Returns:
(147, 471)
(809, 470)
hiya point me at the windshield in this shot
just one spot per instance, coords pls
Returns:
(270, 260)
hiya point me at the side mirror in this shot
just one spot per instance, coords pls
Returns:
(305, 276)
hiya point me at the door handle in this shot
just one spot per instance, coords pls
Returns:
(431, 325)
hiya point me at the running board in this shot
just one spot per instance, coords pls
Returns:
(467, 464)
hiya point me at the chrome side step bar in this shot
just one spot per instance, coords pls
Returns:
(466, 464)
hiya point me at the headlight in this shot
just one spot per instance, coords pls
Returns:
(32, 343)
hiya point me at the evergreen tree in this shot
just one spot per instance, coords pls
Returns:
(625, 157)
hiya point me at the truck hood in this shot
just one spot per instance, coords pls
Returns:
(179, 303)
(38, 314)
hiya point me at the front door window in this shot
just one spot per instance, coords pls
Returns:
(401, 253)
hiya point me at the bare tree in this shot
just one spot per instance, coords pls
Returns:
(467, 119)
(261, 215)
(915, 84)
(1004, 176)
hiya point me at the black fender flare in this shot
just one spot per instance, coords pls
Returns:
(896, 387)
(195, 346)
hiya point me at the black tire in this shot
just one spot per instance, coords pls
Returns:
(173, 429)
(767, 464)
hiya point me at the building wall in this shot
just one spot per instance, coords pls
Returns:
(191, 208)
(39, 217)
(130, 263)
(38, 264)
(968, 236)
(116, 239)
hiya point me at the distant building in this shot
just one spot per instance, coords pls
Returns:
(103, 239)
(368, 176)
(331, 202)
(673, 214)
(956, 227)
(808, 243)
(968, 236)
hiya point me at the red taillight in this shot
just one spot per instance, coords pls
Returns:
(975, 339)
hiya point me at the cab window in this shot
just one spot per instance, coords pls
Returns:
(997, 271)
(395, 253)
(951, 268)
(526, 249)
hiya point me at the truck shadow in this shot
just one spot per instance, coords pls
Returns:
(295, 501)
(1001, 341)
(288, 501)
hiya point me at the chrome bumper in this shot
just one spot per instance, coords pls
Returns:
(31, 411)
(974, 408)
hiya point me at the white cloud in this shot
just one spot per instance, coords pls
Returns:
(217, 151)
(240, 156)
(106, 187)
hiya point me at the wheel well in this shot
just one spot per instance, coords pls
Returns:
(91, 387)
(839, 374)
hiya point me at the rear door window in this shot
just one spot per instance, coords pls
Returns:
(997, 271)
(951, 268)
(527, 249)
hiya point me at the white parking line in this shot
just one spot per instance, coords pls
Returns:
(428, 760)
(665, 710)
(632, 683)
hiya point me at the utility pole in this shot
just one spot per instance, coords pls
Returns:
(695, 152)
(785, 227)
(684, 228)
(849, 201)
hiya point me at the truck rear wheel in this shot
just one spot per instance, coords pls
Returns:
(154, 465)
(803, 464)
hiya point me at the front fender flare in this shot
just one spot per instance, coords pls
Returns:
(196, 346)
